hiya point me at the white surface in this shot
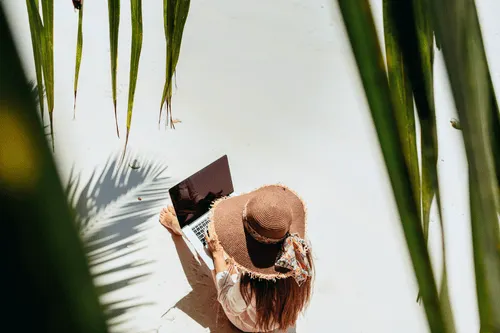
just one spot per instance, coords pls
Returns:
(274, 85)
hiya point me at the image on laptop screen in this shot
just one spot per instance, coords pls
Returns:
(193, 196)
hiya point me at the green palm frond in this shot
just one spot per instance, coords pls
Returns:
(495, 137)
(48, 58)
(42, 39)
(415, 39)
(136, 12)
(46, 263)
(400, 87)
(175, 14)
(114, 27)
(471, 85)
(424, 91)
(363, 37)
(79, 48)
(36, 36)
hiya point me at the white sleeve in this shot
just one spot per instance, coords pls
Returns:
(228, 293)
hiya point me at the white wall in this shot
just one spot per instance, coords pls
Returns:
(274, 85)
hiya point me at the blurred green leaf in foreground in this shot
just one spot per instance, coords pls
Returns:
(46, 276)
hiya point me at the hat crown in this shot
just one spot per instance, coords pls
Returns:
(270, 215)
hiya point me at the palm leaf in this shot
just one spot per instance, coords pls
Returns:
(48, 58)
(46, 263)
(483, 256)
(168, 26)
(114, 25)
(79, 47)
(364, 41)
(495, 137)
(427, 115)
(470, 81)
(400, 88)
(42, 39)
(136, 12)
(414, 34)
(36, 36)
(175, 14)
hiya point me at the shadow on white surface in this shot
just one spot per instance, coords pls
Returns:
(112, 211)
(201, 303)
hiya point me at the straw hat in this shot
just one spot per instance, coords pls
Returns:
(263, 232)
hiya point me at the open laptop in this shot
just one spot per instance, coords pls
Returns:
(193, 197)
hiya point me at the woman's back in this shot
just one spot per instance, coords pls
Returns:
(240, 313)
(260, 305)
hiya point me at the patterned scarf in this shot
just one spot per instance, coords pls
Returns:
(293, 256)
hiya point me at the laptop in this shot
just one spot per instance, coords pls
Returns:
(192, 199)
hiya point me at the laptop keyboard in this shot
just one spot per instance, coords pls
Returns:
(200, 230)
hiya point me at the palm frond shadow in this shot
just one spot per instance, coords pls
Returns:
(112, 210)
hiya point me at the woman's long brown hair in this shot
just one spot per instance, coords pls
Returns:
(278, 303)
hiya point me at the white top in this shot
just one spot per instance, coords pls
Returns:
(242, 316)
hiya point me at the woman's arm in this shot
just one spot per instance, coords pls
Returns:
(219, 260)
(228, 291)
(217, 251)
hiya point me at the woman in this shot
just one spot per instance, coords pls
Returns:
(266, 280)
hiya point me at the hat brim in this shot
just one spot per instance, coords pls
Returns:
(249, 255)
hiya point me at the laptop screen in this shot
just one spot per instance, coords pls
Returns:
(194, 196)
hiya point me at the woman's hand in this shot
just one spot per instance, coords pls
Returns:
(215, 247)
(212, 240)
